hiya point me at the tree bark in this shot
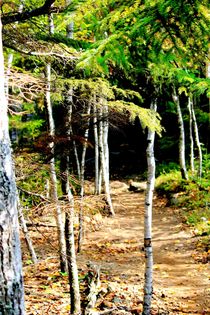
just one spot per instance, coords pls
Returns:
(197, 140)
(182, 160)
(26, 234)
(95, 128)
(46, 8)
(192, 166)
(104, 153)
(148, 284)
(82, 179)
(11, 279)
(70, 243)
(69, 220)
(53, 177)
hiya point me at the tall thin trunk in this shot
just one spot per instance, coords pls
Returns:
(9, 65)
(197, 140)
(69, 220)
(82, 179)
(104, 153)
(95, 129)
(11, 279)
(70, 243)
(148, 284)
(192, 166)
(53, 177)
(26, 234)
(70, 34)
(69, 100)
(182, 160)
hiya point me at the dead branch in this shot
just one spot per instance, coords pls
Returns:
(33, 194)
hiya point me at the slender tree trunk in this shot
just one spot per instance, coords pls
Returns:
(148, 284)
(69, 219)
(182, 160)
(192, 166)
(70, 34)
(197, 140)
(104, 154)
(82, 180)
(26, 233)
(11, 279)
(95, 128)
(53, 178)
(70, 243)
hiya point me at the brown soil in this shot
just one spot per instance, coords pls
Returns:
(181, 285)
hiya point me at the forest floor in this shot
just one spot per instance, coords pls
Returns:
(181, 278)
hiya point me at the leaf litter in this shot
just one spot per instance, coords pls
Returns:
(180, 279)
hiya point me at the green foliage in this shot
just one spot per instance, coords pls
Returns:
(165, 168)
(148, 118)
(27, 122)
(31, 179)
(193, 196)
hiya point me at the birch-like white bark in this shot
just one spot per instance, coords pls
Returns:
(11, 279)
(71, 253)
(104, 155)
(70, 34)
(26, 233)
(82, 179)
(69, 224)
(148, 284)
(95, 129)
(197, 140)
(53, 177)
(182, 160)
(192, 165)
(105, 160)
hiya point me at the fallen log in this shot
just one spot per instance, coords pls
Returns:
(137, 186)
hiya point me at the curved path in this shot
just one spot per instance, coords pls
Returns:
(181, 286)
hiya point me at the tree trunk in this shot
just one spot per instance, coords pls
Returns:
(53, 178)
(69, 219)
(82, 179)
(148, 284)
(11, 280)
(95, 129)
(70, 243)
(197, 140)
(192, 166)
(182, 160)
(26, 233)
(104, 153)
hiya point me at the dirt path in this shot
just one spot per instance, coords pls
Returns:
(180, 284)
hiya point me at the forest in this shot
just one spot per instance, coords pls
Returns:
(104, 157)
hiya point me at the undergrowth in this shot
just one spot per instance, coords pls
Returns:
(191, 196)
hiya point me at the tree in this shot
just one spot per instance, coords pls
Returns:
(53, 177)
(69, 219)
(11, 279)
(182, 160)
(148, 284)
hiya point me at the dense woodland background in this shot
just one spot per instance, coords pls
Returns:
(87, 85)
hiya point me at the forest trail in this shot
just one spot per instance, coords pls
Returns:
(180, 283)
(181, 286)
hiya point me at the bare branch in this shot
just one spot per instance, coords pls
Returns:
(42, 53)
(34, 194)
